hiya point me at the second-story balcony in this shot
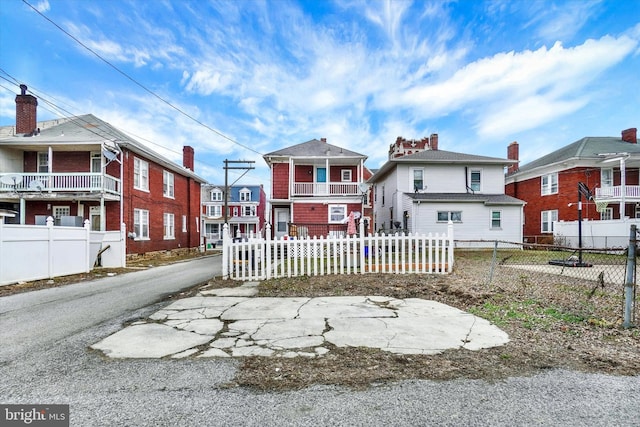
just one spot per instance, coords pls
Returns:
(326, 189)
(630, 193)
(19, 184)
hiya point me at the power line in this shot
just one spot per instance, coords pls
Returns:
(140, 84)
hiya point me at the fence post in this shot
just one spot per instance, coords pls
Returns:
(1, 249)
(451, 258)
(225, 251)
(50, 246)
(87, 247)
(361, 243)
(628, 286)
(268, 250)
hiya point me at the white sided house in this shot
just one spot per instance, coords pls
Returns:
(422, 191)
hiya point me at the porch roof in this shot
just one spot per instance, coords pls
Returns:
(487, 199)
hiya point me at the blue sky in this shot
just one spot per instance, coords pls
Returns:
(258, 76)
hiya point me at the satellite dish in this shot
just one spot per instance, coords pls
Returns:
(36, 185)
(11, 179)
(110, 155)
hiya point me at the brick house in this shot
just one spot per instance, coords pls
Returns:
(608, 166)
(82, 168)
(315, 186)
(246, 208)
(421, 188)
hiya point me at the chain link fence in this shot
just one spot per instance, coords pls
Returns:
(526, 264)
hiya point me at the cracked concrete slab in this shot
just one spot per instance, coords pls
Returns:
(238, 326)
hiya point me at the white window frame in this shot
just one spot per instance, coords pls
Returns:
(184, 223)
(249, 210)
(245, 195)
(346, 175)
(60, 211)
(216, 195)
(169, 226)
(496, 223)
(546, 220)
(168, 184)
(235, 211)
(336, 217)
(140, 174)
(606, 177)
(607, 214)
(415, 187)
(453, 216)
(549, 184)
(43, 162)
(141, 224)
(477, 185)
(214, 211)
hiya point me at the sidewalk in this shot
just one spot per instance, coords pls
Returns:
(232, 322)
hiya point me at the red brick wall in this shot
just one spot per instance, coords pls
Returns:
(530, 191)
(317, 213)
(280, 181)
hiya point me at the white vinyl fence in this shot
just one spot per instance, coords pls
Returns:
(34, 252)
(266, 258)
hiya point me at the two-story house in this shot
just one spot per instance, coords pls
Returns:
(245, 211)
(421, 191)
(82, 168)
(608, 166)
(315, 186)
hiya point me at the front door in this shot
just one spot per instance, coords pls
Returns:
(282, 217)
(321, 180)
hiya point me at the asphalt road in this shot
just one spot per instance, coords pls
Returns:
(44, 359)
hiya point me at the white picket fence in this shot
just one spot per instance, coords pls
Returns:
(257, 258)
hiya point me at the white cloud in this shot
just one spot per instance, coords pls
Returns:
(43, 6)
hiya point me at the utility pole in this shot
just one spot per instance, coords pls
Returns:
(248, 166)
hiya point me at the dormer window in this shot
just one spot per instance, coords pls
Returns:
(245, 195)
(216, 195)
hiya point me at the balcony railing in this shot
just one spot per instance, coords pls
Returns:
(325, 188)
(615, 193)
(51, 182)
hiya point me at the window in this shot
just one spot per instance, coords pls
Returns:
(140, 174)
(245, 195)
(383, 195)
(446, 216)
(216, 195)
(337, 213)
(606, 177)
(418, 179)
(547, 220)
(549, 184)
(212, 230)
(169, 226)
(215, 211)
(475, 180)
(141, 223)
(167, 184)
(235, 211)
(59, 211)
(345, 175)
(608, 214)
(184, 223)
(496, 219)
(43, 162)
(249, 211)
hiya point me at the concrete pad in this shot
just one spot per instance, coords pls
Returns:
(201, 302)
(277, 330)
(151, 340)
(334, 307)
(297, 342)
(265, 308)
(185, 353)
(253, 350)
(204, 326)
(214, 352)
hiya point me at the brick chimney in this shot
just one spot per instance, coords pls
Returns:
(188, 157)
(630, 135)
(434, 141)
(513, 153)
(26, 106)
(323, 140)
